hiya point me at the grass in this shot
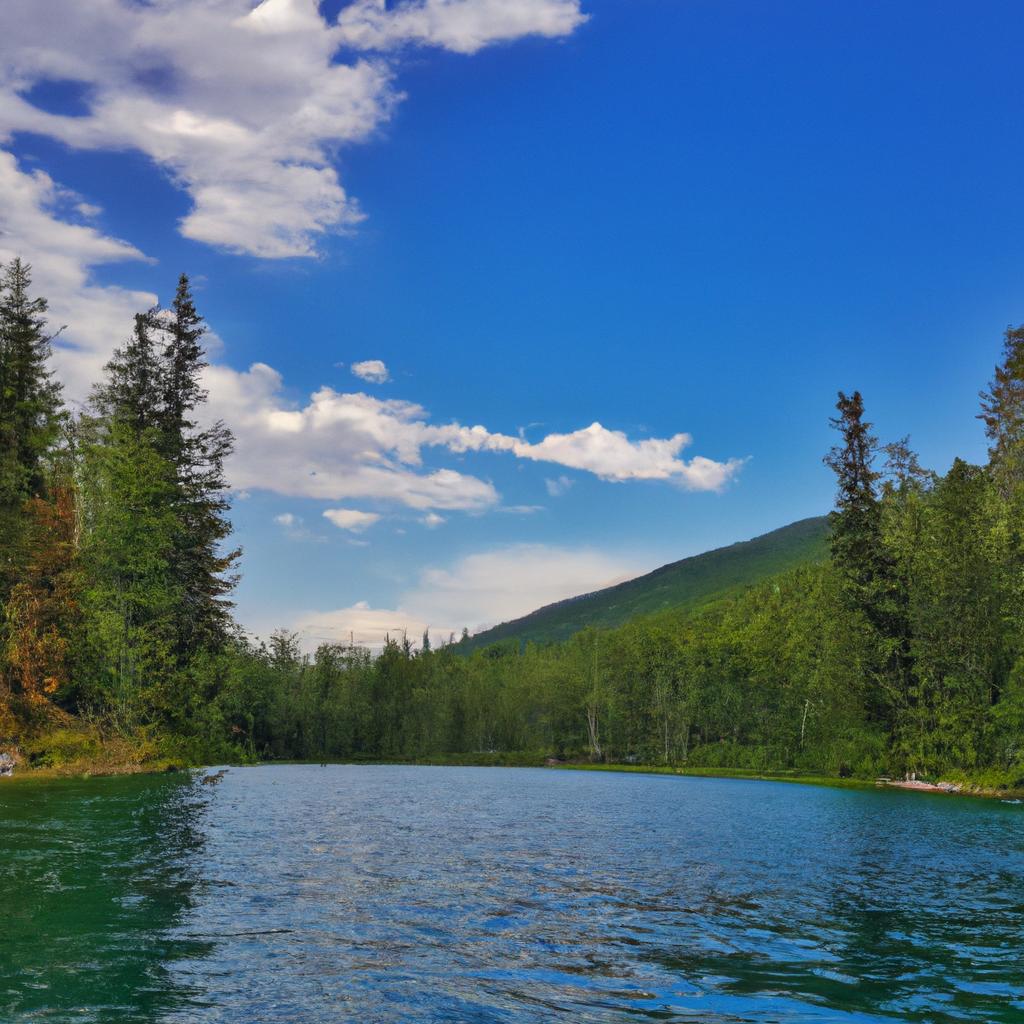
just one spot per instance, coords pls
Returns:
(986, 784)
(81, 750)
(781, 775)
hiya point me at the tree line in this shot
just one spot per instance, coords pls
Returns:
(115, 577)
(901, 652)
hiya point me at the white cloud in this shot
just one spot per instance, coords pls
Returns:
(360, 624)
(372, 370)
(464, 26)
(343, 446)
(610, 455)
(37, 223)
(286, 519)
(243, 107)
(351, 519)
(559, 486)
(339, 445)
(477, 591)
(432, 520)
(336, 447)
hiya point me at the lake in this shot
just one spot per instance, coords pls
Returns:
(342, 893)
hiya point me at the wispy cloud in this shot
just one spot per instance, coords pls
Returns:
(295, 529)
(477, 591)
(464, 26)
(558, 486)
(244, 107)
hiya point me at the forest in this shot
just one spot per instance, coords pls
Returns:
(903, 651)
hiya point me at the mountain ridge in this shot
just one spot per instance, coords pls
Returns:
(682, 584)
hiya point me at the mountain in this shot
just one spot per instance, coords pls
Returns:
(684, 584)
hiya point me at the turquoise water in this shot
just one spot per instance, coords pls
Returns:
(303, 893)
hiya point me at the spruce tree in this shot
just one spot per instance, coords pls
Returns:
(869, 581)
(132, 392)
(1002, 412)
(202, 567)
(856, 521)
(30, 409)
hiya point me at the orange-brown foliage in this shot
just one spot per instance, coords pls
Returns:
(42, 609)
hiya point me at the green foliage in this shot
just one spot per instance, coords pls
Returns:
(63, 747)
(30, 411)
(887, 639)
(687, 584)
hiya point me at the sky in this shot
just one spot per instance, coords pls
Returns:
(513, 299)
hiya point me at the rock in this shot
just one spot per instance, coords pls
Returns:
(6, 765)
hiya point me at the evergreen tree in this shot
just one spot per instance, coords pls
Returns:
(30, 409)
(131, 394)
(184, 361)
(130, 599)
(869, 580)
(203, 569)
(856, 520)
(1002, 412)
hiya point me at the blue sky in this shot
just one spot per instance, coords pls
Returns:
(662, 216)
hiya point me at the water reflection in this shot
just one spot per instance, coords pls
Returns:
(400, 894)
(94, 878)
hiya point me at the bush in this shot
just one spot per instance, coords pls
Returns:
(61, 748)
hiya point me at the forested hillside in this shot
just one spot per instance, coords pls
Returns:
(686, 584)
(901, 651)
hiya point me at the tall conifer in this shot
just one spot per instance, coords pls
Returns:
(30, 408)
(1002, 412)
(203, 567)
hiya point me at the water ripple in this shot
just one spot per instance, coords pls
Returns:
(490, 895)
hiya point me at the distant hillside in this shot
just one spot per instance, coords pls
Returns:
(682, 584)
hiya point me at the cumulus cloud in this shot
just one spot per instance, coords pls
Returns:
(342, 446)
(244, 107)
(611, 455)
(432, 520)
(38, 223)
(608, 454)
(336, 447)
(372, 370)
(477, 591)
(464, 26)
(351, 519)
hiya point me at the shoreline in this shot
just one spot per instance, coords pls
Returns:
(966, 789)
(104, 769)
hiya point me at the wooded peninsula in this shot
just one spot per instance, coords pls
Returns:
(900, 652)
